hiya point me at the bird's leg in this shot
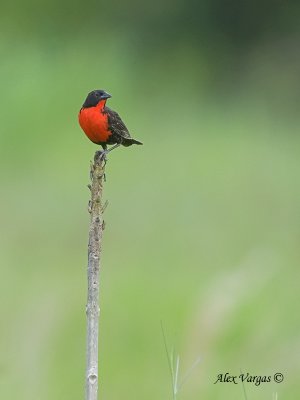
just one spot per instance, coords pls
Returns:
(102, 154)
(113, 147)
(106, 151)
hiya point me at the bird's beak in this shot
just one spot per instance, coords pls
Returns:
(105, 96)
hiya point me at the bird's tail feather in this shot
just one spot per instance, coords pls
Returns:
(129, 141)
(136, 141)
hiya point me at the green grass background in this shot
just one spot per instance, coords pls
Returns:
(202, 228)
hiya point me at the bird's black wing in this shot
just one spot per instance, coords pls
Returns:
(116, 125)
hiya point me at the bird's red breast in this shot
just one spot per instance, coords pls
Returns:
(94, 123)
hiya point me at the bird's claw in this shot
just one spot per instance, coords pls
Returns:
(101, 155)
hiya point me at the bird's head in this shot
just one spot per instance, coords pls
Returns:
(94, 97)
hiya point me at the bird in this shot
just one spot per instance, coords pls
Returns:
(102, 125)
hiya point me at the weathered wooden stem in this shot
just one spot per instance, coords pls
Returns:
(94, 262)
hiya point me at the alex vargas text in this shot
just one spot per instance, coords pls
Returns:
(256, 379)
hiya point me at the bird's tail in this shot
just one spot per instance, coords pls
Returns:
(135, 141)
(130, 141)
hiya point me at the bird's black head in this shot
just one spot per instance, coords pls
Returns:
(94, 97)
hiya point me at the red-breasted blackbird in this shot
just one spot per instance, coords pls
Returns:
(102, 125)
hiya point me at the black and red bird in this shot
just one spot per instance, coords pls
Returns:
(102, 125)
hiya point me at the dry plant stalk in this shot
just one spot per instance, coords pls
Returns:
(94, 261)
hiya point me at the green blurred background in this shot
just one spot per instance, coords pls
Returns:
(203, 221)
